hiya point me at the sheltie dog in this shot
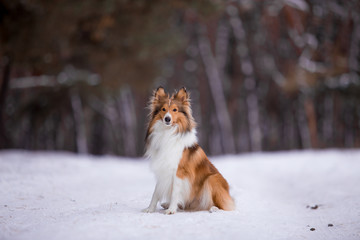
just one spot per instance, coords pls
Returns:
(186, 179)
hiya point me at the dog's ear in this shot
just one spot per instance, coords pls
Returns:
(182, 95)
(159, 93)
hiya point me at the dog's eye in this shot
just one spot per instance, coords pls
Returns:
(164, 109)
(174, 109)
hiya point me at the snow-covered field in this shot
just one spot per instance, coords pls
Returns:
(65, 196)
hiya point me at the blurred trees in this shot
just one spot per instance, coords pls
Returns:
(264, 75)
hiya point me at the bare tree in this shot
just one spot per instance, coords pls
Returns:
(4, 140)
(79, 123)
(250, 82)
(217, 92)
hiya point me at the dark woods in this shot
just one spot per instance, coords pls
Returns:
(263, 75)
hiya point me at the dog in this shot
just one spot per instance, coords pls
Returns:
(186, 179)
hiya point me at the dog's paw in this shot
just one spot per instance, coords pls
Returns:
(170, 211)
(214, 209)
(165, 205)
(148, 210)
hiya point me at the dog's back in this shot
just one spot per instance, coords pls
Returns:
(208, 187)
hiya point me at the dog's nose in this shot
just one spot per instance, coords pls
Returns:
(167, 119)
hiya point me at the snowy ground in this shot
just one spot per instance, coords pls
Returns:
(65, 196)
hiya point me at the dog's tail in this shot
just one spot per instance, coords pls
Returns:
(220, 192)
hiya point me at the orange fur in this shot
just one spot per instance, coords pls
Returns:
(204, 179)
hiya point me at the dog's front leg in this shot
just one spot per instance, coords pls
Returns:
(154, 200)
(175, 196)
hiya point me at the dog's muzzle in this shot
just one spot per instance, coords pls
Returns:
(167, 119)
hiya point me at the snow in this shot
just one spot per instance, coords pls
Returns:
(46, 195)
(298, 4)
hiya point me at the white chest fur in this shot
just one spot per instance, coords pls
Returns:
(165, 150)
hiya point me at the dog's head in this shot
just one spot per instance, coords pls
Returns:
(172, 111)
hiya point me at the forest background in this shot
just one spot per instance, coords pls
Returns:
(263, 75)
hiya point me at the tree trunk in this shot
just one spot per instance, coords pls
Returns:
(127, 115)
(311, 119)
(303, 125)
(250, 83)
(79, 122)
(4, 140)
(217, 92)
